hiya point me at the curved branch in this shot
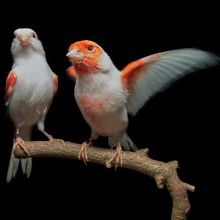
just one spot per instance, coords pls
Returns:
(165, 174)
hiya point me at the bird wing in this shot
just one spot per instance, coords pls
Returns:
(10, 84)
(71, 72)
(55, 81)
(145, 77)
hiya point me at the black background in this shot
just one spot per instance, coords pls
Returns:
(178, 124)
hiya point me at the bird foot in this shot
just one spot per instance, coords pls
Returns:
(53, 140)
(20, 142)
(117, 156)
(83, 152)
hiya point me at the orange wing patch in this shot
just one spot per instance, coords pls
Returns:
(10, 83)
(55, 81)
(71, 72)
(129, 70)
(133, 71)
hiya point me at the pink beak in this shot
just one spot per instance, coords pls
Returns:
(24, 39)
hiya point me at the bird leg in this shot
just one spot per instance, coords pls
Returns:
(20, 142)
(117, 156)
(83, 150)
(51, 139)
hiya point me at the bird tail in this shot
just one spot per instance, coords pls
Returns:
(26, 164)
(126, 143)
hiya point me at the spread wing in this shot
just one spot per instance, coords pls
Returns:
(55, 81)
(145, 77)
(10, 84)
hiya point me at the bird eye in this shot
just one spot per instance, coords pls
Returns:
(90, 48)
(34, 35)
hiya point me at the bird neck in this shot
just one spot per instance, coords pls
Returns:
(27, 54)
(98, 81)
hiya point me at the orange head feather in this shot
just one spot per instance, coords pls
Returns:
(85, 56)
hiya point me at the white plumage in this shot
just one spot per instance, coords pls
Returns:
(32, 92)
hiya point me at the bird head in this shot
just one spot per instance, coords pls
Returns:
(88, 57)
(25, 36)
(26, 42)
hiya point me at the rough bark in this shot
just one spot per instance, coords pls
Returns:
(165, 174)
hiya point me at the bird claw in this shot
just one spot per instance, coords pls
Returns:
(83, 153)
(20, 142)
(52, 140)
(118, 157)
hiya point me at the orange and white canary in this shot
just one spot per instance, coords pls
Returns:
(106, 95)
(30, 88)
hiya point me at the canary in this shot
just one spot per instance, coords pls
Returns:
(106, 95)
(30, 88)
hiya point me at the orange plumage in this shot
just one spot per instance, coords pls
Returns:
(55, 81)
(134, 70)
(10, 83)
(71, 72)
(92, 54)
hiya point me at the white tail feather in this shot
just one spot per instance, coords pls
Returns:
(13, 167)
(26, 164)
(126, 143)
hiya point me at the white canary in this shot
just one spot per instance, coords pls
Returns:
(30, 88)
(106, 95)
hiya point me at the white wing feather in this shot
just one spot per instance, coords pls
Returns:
(160, 74)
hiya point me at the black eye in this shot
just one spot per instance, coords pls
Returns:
(34, 35)
(90, 48)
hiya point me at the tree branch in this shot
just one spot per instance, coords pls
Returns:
(165, 174)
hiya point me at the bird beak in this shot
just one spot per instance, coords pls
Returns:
(74, 55)
(24, 39)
